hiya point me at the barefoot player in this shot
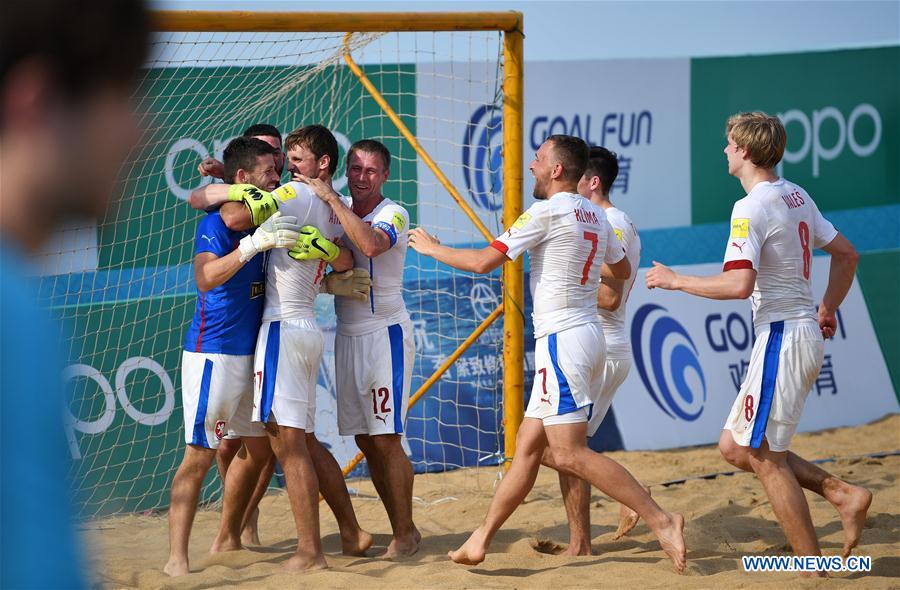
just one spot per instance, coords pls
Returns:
(568, 238)
(598, 178)
(217, 363)
(774, 230)
(374, 348)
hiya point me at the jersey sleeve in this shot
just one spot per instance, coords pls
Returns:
(392, 220)
(213, 236)
(823, 231)
(749, 226)
(615, 245)
(288, 192)
(530, 229)
(298, 200)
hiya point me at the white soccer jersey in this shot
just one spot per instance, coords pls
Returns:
(292, 285)
(567, 237)
(618, 343)
(385, 306)
(774, 230)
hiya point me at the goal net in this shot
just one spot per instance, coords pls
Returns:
(125, 287)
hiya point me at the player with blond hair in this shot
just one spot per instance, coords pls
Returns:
(768, 258)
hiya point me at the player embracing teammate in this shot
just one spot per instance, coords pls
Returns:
(374, 347)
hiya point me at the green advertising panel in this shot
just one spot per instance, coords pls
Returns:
(125, 434)
(193, 112)
(879, 275)
(842, 114)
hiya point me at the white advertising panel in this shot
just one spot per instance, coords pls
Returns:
(640, 109)
(691, 354)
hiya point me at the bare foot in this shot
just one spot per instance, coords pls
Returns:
(578, 549)
(852, 506)
(177, 567)
(671, 538)
(357, 545)
(628, 519)
(220, 545)
(250, 536)
(402, 547)
(301, 562)
(472, 551)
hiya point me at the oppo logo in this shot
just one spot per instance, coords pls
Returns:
(197, 152)
(847, 135)
(101, 424)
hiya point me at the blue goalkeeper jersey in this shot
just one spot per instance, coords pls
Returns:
(226, 319)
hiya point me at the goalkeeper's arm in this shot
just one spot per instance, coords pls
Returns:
(215, 196)
(344, 261)
(211, 271)
(243, 206)
(209, 197)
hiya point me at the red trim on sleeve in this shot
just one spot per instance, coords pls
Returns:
(202, 322)
(500, 246)
(737, 265)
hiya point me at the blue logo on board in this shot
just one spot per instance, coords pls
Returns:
(665, 356)
(482, 157)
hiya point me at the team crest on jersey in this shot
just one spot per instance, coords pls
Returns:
(220, 429)
(398, 222)
(522, 220)
(285, 193)
(257, 290)
(740, 227)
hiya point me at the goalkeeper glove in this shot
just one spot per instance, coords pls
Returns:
(261, 204)
(312, 245)
(275, 232)
(354, 283)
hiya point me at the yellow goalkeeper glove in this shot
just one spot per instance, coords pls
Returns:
(261, 204)
(312, 245)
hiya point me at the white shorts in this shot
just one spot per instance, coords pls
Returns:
(241, 424)
(214, 388)
(568, 375)
(784, 365)
(286, 370)
(614, 374)
(373, 373)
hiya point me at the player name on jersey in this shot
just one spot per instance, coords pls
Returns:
(793, 200)
(584, 216)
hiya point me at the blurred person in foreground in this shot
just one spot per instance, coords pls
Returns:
(67, 71)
